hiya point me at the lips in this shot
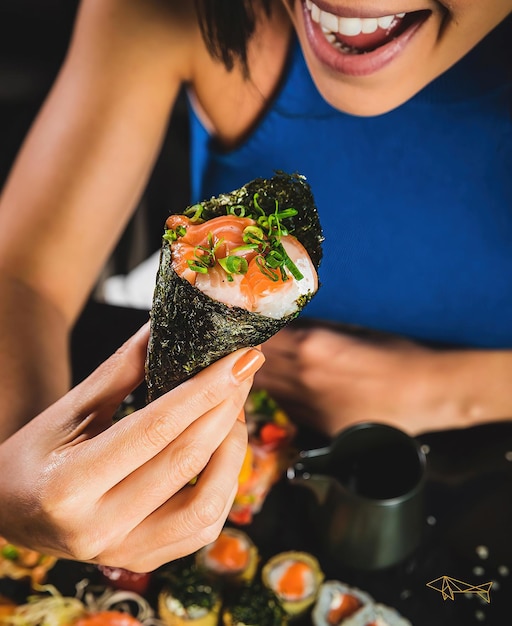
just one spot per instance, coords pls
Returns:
(359, 46)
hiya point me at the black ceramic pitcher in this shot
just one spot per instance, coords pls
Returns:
(369, 485)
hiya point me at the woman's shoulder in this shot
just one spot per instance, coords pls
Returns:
(160, 32)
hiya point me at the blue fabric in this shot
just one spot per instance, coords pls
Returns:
(416, 204)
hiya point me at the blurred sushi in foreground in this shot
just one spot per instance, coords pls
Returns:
(232, 557)
(19, 563)
(269, 453)
(254, 605)
(233, 271)
(336, 602)
(188, 597)
(295, 578)
(377, 615)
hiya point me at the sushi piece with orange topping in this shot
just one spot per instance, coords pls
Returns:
(233, 271)
(295, 578)
(336, 602)
(232, 557)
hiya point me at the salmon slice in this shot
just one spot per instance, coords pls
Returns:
(265, 292)
(293, 582)
(229, 552)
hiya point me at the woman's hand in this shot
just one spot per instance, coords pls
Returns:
(75, 486)
(331, 379)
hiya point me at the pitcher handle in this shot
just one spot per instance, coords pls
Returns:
(309, 462)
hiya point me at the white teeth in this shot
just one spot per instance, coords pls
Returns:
(328, 21)
(349, 26)
(386, 21)
(369, 25)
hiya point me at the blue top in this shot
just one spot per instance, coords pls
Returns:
(415, 204)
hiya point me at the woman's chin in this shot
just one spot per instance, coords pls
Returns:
(368, 100)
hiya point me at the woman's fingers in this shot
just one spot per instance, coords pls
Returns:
(137, 438)
(85, 469)
(88, 486)
(152, 484)
(191, 518)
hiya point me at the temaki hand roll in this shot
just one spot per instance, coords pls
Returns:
(233, 271)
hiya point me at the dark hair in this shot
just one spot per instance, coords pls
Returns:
(227, 26)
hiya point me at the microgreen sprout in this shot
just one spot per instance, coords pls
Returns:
(195, 213)
(204, 256)
(171, 234)
(233, 264)
(264, 238)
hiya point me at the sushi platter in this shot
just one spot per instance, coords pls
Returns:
(463, 539)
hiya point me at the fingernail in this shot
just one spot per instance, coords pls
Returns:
(241, 416)
(249, 363)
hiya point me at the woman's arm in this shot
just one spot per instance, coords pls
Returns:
(76, 182)
(331, 380)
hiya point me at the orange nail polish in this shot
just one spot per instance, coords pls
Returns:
(248, 364)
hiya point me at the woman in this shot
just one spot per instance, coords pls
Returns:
(360, 83)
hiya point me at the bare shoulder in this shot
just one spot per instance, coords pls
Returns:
(141, 35)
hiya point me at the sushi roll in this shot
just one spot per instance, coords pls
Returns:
(295, 578)
(232, 557)
(336, 602)
(254, 605)
(376, 615)
(20, 563)
(188, 598)
(268, 454)
(233, 271)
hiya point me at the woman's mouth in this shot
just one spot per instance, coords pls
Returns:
(359, 46)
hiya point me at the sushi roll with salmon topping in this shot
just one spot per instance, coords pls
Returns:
(233, 271)
(295, 578)
(337, 602)
(232, 557)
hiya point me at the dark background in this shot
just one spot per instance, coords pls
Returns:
(34, 37)
(469, 494)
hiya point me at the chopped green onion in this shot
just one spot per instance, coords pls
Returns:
(196, 267)
(171, 235)
(256, 204)
(294, 270)
(266, 270)
(195, 212)
(237, 210)
(234, 264)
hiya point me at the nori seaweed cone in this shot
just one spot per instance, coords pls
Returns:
(190, 330)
